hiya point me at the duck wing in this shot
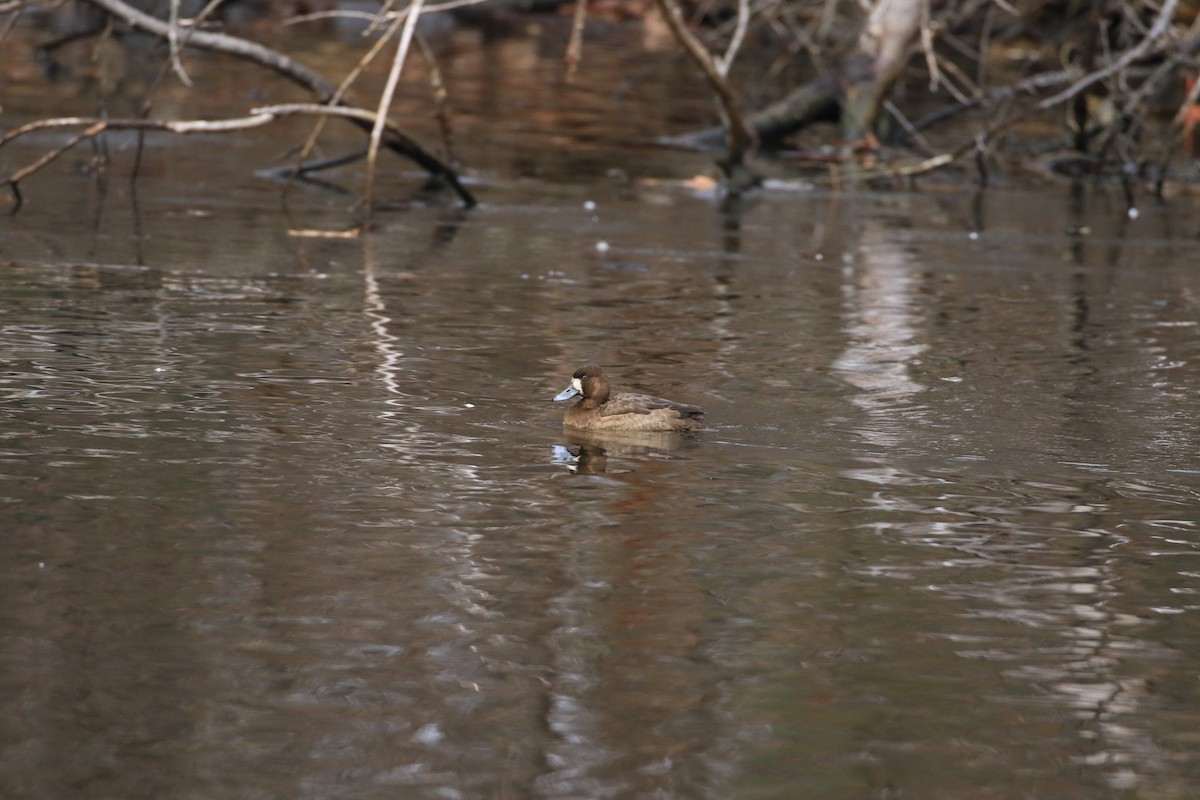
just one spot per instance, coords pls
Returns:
(624, 403)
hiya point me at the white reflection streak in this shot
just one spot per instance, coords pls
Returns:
(462, 568)
(1089, 675)
(385, 343)
(882, 325)
(1093, 679)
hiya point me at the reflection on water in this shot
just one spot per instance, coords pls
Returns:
(881, 337)
(294, 518)
(993, 546)
(590, 453)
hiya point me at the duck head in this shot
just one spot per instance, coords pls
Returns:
(588, 382)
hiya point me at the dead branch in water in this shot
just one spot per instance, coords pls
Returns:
(1113, 64)
(328, 94)
(738, 135)
(1092, 76)
(93, 127)
(385, 99)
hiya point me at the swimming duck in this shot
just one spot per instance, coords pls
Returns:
(600, 410)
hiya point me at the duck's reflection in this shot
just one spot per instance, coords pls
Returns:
(589, 453)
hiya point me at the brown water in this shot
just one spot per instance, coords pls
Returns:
(293, 517)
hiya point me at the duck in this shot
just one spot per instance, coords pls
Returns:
(599, 409)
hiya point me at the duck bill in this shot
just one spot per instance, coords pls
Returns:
(566, 394)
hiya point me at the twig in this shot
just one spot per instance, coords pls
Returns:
(574, 53)
(985, 42)
(223, 43)
(735, 42)
(739, 140)
(147, 103)
(441, 97)
(11, 21)
(14, 180)
(173, 43)
(257, 117)
(292, 171)
(968, 89)
(94, 127)
(385, 100)
(921, 167)
(1161, 23)
(324, 89)
(1030, 84)
(931, 61)
(311, 142)
(828, 18)
(382, 14)
(45, 49)
(905, 123)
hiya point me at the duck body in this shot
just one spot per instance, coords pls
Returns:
(600, 409)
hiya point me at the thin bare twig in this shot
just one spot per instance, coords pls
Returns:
(173, 44)
(574, 53)
(311, 142)
(382, 15)
(325, 90)
(11, 21)
(931, 61)
(725, 62)
(441, 97)
(94, 127)
(385, 100)
(738, 138)
(952, 70)
(147, 103)
(1161, 23)
(921, 167)
(13, 181)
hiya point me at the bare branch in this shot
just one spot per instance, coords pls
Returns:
(94, 126)
(13, 181)
(725, 62)
(381, 15)
(325, 90)
(173, 42)
(738, 137)
(343, 87)
(223, 43)
(441, 97)
(1143, 48)
(389, 91)
(575, 44)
